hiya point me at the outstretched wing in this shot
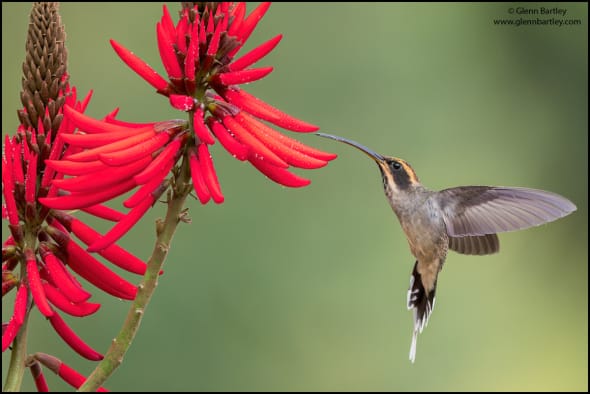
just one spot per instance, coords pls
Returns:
(475, 244)
(481, 210)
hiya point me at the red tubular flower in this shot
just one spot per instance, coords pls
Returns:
(209, 175)
(201, 188)
(124, 225)
(57, 273)
(38, 376)
(35, 284)
(64, 371)
(113, 157)
(17, 319)
(57, 298)
(68, 335)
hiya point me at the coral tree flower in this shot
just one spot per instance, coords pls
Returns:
(198, 54)
(41, 258)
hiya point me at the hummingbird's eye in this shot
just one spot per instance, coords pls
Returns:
(396, 165)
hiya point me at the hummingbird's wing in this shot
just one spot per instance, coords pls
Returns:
(481, 210)
(475, 244)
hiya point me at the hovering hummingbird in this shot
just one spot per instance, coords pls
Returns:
(464, 219)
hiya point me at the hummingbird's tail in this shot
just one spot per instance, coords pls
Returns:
(421, 302)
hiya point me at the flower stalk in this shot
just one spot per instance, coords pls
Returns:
(165, 230)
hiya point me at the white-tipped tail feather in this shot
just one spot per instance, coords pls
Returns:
(413, 347)
(421, 303)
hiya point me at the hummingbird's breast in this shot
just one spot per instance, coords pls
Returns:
(423, 225)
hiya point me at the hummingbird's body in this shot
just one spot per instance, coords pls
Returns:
(419, 215)
(464, 219)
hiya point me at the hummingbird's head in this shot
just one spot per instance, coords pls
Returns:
(397, 174)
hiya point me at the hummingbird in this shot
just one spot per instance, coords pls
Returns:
(464, 219)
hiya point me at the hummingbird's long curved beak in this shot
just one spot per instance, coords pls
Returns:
(371, 153)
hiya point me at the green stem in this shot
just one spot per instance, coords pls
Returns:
(165, 231)
(16, 370)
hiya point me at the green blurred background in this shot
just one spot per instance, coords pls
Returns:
(283, 289)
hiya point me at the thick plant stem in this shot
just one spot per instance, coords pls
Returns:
(16, 370)
(165, 231)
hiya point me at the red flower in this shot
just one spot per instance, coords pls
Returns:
(61, 369)
(198, 56)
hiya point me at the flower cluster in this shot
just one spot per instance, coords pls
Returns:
(40, 254)
(203, 77)
(41, 240)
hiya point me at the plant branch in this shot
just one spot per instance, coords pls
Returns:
(165, 231)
